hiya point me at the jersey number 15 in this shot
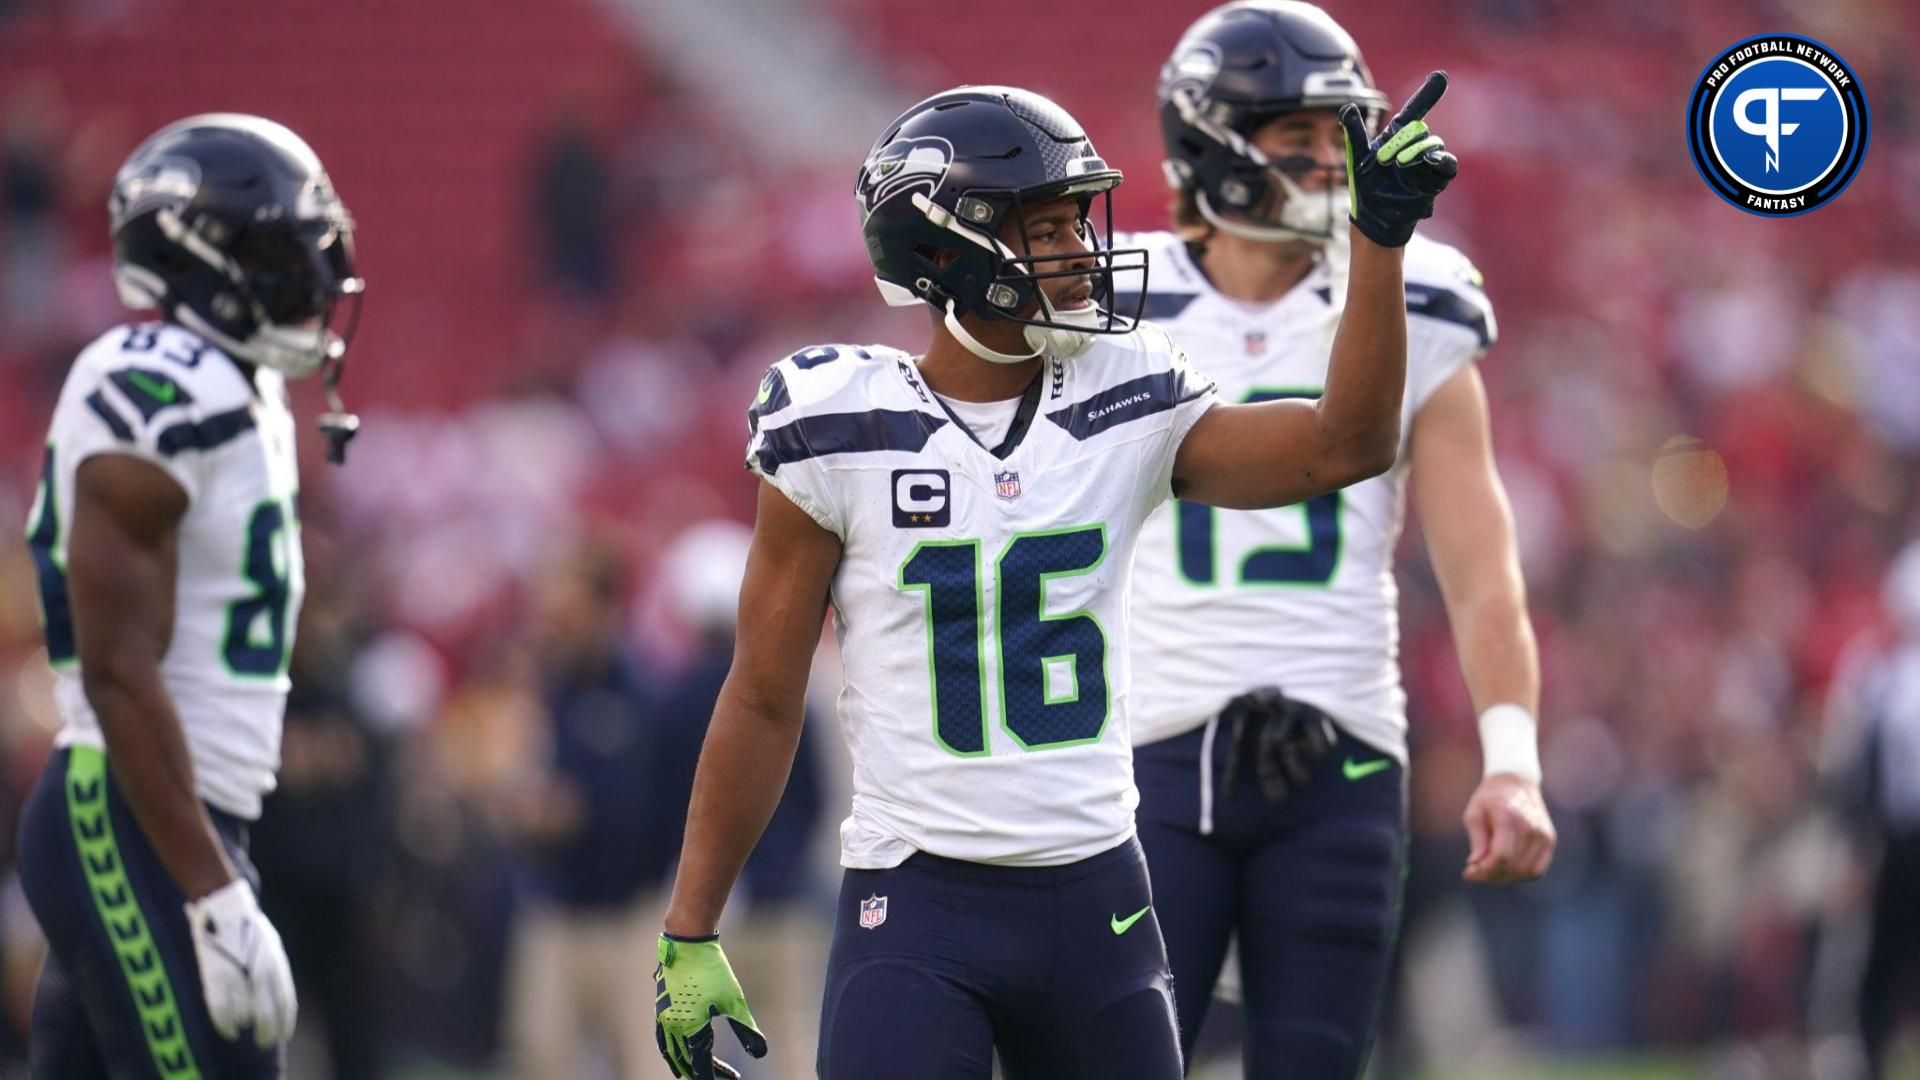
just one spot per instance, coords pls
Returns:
(1197, 547)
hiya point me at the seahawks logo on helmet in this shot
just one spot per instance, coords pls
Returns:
(904, 165)
(161, 181)
(1193, 70)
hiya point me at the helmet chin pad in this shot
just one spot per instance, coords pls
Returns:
(1064, 344)
(295, 351)
(1309, 216)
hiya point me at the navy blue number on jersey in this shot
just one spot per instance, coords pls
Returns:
(1053, 668)
(1312, 565)
(949, 572)
(826, 354)
(265, 569)
(144, 337)
(42, 538)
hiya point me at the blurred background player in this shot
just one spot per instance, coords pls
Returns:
(609, 769)
(597, 814)
(1873, 760)
(1271, 724)
(168, 549)
(994, 898)
(324, 844)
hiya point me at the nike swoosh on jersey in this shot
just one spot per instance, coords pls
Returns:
(161, 391)
(1121, 926)
(1360, 770)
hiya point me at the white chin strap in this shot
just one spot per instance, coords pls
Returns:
(977, 348)
(1056, 342)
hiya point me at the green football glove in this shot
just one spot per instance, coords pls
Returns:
(1392, 180)
(692, 985)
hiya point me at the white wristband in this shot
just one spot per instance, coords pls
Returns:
(1510, 743)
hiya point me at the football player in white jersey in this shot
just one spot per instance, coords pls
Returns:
(168, 550)
(970, 515)
(1268, 713)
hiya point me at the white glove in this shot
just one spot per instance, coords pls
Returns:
(244, 972)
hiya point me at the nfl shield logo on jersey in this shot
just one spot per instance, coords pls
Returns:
(1006, 484)
(1256, 342)
(873, 912)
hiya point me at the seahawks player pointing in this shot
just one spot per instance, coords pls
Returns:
(168, 551)
(1268, 709)
(970, 515)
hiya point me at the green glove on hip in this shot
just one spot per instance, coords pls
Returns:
(693, 984)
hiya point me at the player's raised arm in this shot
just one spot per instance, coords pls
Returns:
(1281, 452)
(743, 770)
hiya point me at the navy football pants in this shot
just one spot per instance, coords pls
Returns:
(1060, 969)
(1310, 886)
(119, 998)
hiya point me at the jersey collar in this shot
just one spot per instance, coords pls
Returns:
(1022, 417)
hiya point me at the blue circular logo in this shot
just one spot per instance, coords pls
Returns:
(1778, 125)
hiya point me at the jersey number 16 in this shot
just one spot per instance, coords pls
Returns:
(1053, 668)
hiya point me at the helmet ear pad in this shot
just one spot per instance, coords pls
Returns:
(972, 280)
(1244, 185)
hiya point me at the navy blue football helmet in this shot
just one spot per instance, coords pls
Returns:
(944, 178)
(1236, 69)
(228, 225)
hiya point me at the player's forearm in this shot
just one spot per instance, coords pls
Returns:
(148, 755)
(1494, 636)
(1360, 408)
(743, 770)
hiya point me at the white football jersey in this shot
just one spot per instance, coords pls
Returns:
(159, 393)
(1302, 597)
(981, 596)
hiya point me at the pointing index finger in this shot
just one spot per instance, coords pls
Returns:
(1422, 99)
